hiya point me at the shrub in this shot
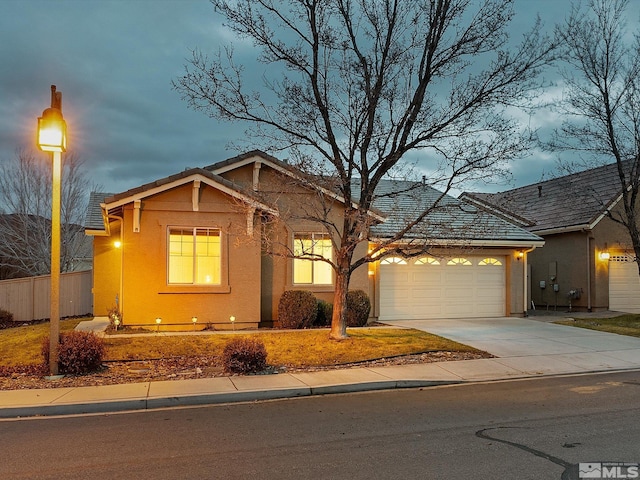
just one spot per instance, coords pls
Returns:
(6, 319)
(297, 309)
(78, 352)
(325, 311)
(358, 308)
(244, 355)
(115, 314)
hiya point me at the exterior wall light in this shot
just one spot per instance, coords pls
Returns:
(604, 255)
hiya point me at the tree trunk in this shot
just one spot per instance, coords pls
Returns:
(339, 318)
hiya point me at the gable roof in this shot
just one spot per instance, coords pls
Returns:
(397, 201)
(94, 219)
(312, 181)
(451, 221)
(100, 204)
(568, 203)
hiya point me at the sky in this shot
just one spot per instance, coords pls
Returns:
(114, 60)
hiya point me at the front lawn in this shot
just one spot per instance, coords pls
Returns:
(626, 324)
(295, 348)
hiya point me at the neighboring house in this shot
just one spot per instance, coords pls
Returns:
(211, 243)
(587, 262)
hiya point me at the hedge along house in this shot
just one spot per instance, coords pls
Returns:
(215, 243)
(587, 262)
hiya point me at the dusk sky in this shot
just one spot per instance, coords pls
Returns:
(114, 60)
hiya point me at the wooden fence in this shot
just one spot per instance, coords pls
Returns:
(29, 298)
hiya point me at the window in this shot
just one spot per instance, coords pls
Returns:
(194, 256)
(309, 272)
(490, 261)
(394, 260)
(427, 261)
(458, 261)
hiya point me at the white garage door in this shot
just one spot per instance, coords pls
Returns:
(430, 287)
(624, 284)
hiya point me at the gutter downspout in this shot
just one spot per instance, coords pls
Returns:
(120, 285)
(588, 257)
(525, 280)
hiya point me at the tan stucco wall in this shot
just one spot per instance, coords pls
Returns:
(562, 261)
(276, 272)
(576, 257)
(106, 274)
(147, 294)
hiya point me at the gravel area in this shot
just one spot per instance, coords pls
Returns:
(182, 368)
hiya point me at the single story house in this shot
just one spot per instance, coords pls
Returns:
(212, 243)
(587, 262)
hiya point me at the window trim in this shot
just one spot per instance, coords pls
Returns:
(312, 285)
(221, 287)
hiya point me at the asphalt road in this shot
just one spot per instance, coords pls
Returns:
(533, 429)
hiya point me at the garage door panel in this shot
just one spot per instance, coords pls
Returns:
(624, 286)
(442, 291)
(426, 293)
(426, 276)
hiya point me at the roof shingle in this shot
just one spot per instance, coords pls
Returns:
(574, 200)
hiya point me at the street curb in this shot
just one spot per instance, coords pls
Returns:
(199, 399)
(154, 403)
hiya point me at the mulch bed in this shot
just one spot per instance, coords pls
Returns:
(181, 368)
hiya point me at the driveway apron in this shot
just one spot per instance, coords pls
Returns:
(530, 341)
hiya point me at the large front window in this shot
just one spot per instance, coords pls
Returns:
(194, 256)
(312, 246)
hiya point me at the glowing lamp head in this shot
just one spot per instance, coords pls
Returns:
(52, 131)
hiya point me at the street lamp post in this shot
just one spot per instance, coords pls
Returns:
(52, 137)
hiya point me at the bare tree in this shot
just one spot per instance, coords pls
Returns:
(25, 222)
(602, 99)
(358, 85)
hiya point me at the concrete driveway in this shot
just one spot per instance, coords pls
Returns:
(535, 344)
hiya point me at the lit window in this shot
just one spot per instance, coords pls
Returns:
(427, 261)
(394, 260)
(194, 256)
(459, 261)
(312, 246)
(490, 261)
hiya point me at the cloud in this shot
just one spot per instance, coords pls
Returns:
(114, 60)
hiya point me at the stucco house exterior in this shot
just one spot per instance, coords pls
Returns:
(204, 243)
(587, 262)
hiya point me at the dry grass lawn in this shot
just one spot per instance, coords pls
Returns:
(21, 346)
(628, 324)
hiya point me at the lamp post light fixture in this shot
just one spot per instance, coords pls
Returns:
(52, 137)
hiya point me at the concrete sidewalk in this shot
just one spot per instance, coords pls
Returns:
(526, 348)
